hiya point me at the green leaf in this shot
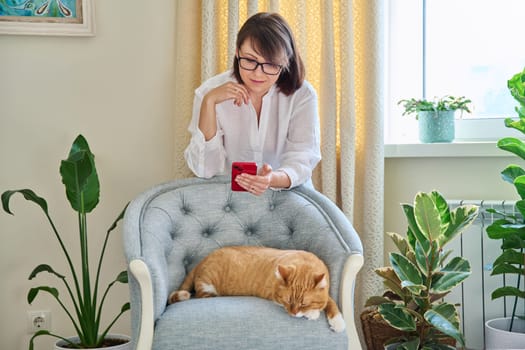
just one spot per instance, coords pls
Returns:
(519, 184)
(511, 172)
(460, 219)
(427, 216)
(421, 259)
(414, 233)
(44, 268)
(28, 195)
(414, 289)
(125, 307)
(33, 292)
(502, 229)
(513, 145)
(398, 317)
(391, 280)
(37, 334)
(510, 257)
(80, 177)
(455, 272)
(444, 318)
(508, 269)
(508, 291)
(400, 242)
(122, 277)
(404, 269)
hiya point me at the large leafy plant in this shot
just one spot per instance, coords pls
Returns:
(421, 274)
(82, 186)
(510, 229)
(445, 103)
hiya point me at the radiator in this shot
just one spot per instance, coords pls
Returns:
(473, 296)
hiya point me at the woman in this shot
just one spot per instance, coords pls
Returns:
(261, 111)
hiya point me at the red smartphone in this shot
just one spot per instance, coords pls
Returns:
(240, 168)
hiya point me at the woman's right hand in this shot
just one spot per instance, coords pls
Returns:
(228, 91)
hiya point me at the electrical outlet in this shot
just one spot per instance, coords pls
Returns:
(38, 320)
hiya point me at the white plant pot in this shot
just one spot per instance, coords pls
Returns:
(59, 345)
(498, 337)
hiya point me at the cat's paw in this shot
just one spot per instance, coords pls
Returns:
(337, 323)
(178, 295)
(312, 314)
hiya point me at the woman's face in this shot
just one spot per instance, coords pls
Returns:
(256, 81)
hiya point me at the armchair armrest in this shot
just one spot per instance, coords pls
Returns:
(145, 325)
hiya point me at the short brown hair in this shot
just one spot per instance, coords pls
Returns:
(272, 36)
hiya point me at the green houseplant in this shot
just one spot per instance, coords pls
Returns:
(82, 187)
(510, 229)
(421, 274)
(435, 117)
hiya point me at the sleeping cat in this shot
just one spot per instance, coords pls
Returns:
(295, 279)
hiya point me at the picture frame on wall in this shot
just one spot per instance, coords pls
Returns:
(47, 17)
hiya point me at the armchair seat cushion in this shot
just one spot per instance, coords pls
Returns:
(241, 323)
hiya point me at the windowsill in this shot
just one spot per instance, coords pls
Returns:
(454, 149)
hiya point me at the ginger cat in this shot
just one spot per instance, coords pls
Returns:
(295, 279)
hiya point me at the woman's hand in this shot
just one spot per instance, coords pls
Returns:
(256, 184)
(228, 91)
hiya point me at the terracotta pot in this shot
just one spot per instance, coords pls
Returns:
(60, 345)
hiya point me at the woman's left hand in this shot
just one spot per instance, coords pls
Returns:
(256, 184)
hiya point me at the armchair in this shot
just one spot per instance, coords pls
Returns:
(171, 227)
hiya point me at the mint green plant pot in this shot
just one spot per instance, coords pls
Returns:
(436, 126)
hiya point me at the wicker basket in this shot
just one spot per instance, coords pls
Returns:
(377, 331)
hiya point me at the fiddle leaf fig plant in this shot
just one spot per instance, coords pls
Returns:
(80, 179)
(510, 229)
(422, 273)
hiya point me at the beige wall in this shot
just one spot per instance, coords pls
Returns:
(454, 178)
(128, 90)
(119, 90)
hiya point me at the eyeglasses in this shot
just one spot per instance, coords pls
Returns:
(267, 68)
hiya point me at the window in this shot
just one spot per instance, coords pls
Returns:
(454, 47)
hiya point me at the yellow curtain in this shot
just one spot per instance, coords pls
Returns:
(342, 45)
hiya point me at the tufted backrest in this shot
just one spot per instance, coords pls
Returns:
(176, 225)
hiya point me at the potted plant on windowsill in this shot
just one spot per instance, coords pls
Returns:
(80, 178)
(421, 274)
(435, 117)
(509, 332)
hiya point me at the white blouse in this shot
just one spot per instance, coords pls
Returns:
(287, 136)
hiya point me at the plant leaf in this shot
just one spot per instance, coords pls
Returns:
(28, 195)
(44, 268)
(510, 256)
(80, 178)
(413, 232)
(33, 292)
(519, 184)
(397, 317)
(513, 145)
(502, 229)
(511, 172)
(400, 242)
(508, 291)
(427, 216)
(460, 219)
(404, 269)
(444, 317)
(455, 272)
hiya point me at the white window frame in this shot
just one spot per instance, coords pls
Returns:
(405, 62)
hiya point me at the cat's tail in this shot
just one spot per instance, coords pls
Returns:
(183, 293)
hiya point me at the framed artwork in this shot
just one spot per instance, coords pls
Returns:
(47, 17)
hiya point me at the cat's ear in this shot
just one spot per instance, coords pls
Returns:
(320, 281)
(284, 272)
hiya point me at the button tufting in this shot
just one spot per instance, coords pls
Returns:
(205, 234)
(272, 206)
(248, 232)
(227, 208)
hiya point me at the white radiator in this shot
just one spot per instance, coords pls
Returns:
(473, 296)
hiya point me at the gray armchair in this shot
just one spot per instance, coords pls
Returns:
(171, 227)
